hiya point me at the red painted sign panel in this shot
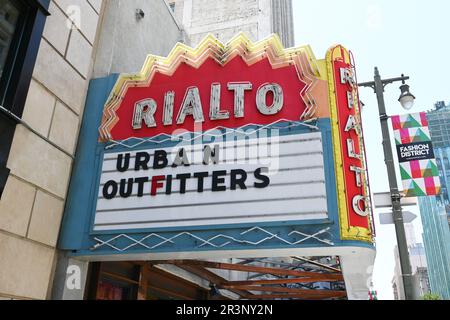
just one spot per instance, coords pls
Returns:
(351, 144)
(209, 74)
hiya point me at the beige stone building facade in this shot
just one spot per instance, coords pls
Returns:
(83, 39)
(43, 149)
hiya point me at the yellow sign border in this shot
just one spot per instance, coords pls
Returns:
(347, 232)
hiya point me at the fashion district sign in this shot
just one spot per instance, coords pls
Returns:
(234, 146)
(418, 166)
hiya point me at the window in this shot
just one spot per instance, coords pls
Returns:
(446, 163)
(172, 6)
(21, 26)
(113, 281)
(9, 23)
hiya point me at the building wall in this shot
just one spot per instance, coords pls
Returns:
(177, 7)
(435, 211)
(125, 41)
(32, 205)
(283, 21)
(421, 283)
(224, 19)
(418, 266)
(439, 124)
(395, 289)
(436, 238)
(442, 155)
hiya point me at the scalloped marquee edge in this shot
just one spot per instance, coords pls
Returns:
(270, 48)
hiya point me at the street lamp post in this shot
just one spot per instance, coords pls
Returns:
(407, 100)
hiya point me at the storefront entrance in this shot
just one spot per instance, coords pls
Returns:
(236, 279)
(138, 281)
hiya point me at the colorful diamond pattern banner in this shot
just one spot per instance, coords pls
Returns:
(418, 166)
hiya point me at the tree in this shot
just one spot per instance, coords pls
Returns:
(431, 296)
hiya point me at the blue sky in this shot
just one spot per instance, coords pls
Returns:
(401, 36)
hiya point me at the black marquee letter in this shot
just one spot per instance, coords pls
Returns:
(142, 159)
(183, 178)
(169, 179)
(201, 180)
(160, 159)
(238, 182)
(129, 187)
(265, 179)
(121, 166)
(217, 180)
(106, 193)
(140, 182)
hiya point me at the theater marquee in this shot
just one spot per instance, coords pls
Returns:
(238, 146)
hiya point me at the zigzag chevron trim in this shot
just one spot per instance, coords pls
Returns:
(162, 138)
(270, 48)
(212, 241)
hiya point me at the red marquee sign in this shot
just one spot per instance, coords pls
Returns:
(224, 87)
(352, 183)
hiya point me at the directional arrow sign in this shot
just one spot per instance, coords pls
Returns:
(383, 200)
(387, 218)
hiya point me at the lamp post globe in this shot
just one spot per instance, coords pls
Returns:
(406, 97)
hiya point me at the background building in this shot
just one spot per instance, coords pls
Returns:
(436, 238)
(439, 121)
(435, 210)
(224, 19)
(418, 267)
